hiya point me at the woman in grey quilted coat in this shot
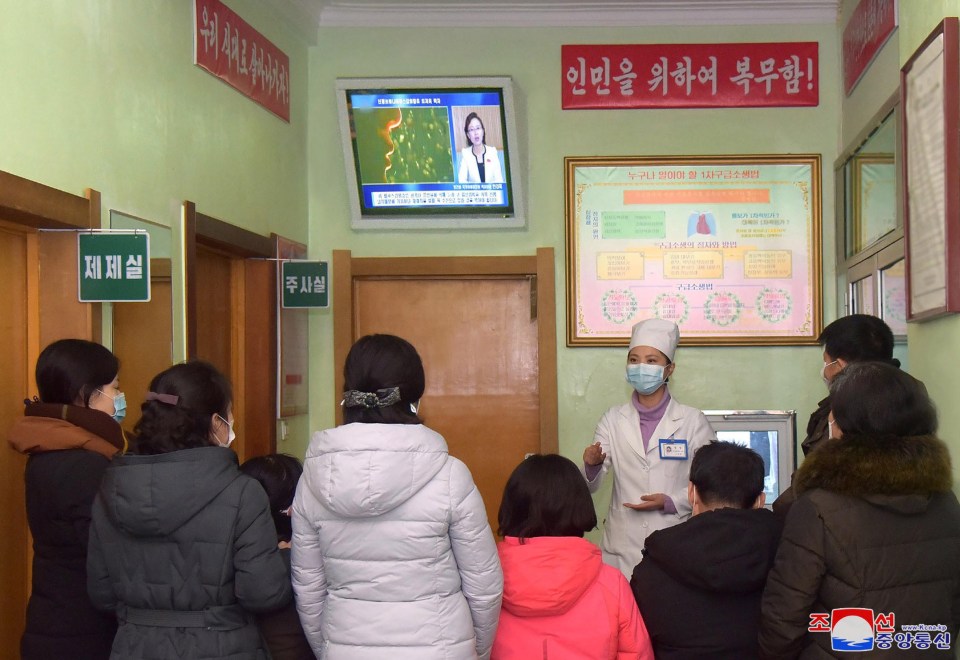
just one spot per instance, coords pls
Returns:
(182, 545)
(392, 553)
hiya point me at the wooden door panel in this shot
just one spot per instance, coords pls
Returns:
(14, 388)
(236, 332)
(259, 373)
(479, 348)
(214, 309)
(143, 339)
(62, 315)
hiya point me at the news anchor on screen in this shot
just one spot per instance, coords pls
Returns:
(479, 162)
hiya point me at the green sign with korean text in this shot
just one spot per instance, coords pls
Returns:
(113, 266)
(304, 284)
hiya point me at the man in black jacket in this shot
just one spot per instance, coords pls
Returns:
(849, 339)
(700, 582)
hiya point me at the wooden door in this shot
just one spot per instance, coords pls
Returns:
(143, 339)
(232, 321)
(14, 387)
(490, 389)
(218, 330)
(39, 303)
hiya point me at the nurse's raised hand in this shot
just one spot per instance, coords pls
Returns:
(593, 454)
(652, 502)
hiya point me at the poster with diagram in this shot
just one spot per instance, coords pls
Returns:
(728, 247)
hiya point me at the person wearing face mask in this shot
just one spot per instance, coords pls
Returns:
(876, 525)
(182, 544)
(70, 434)
(848, 340)
(648, 443)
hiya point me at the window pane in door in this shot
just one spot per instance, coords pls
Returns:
(893, 297)
(862, 296)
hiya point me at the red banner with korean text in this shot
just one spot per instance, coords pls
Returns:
(871, 23)
(226, 46)
(746, 75)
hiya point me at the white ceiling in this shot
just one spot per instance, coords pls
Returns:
(307, 15)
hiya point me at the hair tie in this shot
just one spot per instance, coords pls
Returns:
(379, 399)
(169, 399)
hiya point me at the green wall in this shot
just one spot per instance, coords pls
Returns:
(934, 344)
(590, 380)
(104, 94)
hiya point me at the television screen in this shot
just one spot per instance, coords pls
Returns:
(425, 153)
(770, 433)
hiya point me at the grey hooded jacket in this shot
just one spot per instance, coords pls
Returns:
(183, 549)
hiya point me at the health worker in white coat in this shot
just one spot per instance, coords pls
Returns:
(648, 442)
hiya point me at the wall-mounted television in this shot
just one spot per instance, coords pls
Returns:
(427, 153)
(770, 433)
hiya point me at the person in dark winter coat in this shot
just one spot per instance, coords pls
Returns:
(849, 339)
(279, 475)
(699, 583)
(876, 524)
(182, 545)
(70, 434)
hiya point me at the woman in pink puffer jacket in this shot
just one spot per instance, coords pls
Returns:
(559, 599)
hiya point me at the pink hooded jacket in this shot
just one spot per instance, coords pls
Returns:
(561, 602)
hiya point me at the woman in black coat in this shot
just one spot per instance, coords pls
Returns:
(876, 527)
(182, 545)
(70, 435)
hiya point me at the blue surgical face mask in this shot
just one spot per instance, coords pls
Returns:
(119, 405)
(645, 378)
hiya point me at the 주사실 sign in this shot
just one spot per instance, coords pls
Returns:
(304, 284)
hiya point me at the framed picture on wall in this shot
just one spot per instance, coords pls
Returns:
(930, 102)
(728, 247)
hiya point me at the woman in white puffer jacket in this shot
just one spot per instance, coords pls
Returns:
(392, 555)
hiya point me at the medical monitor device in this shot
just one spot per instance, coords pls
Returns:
(771, 433)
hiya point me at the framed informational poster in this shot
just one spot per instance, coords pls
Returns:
(930, 102)
(728, 247)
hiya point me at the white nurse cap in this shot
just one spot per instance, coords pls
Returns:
(661, 334)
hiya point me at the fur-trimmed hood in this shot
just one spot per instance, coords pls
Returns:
(879, 465)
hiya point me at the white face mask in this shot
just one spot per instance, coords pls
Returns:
(830, 426)
(231, 436)
(823, 372)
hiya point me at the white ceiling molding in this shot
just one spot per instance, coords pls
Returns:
(555, 13)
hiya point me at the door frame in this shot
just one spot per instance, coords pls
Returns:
(253, 271)
(347, 269)
(28, 207)
(32, 207)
